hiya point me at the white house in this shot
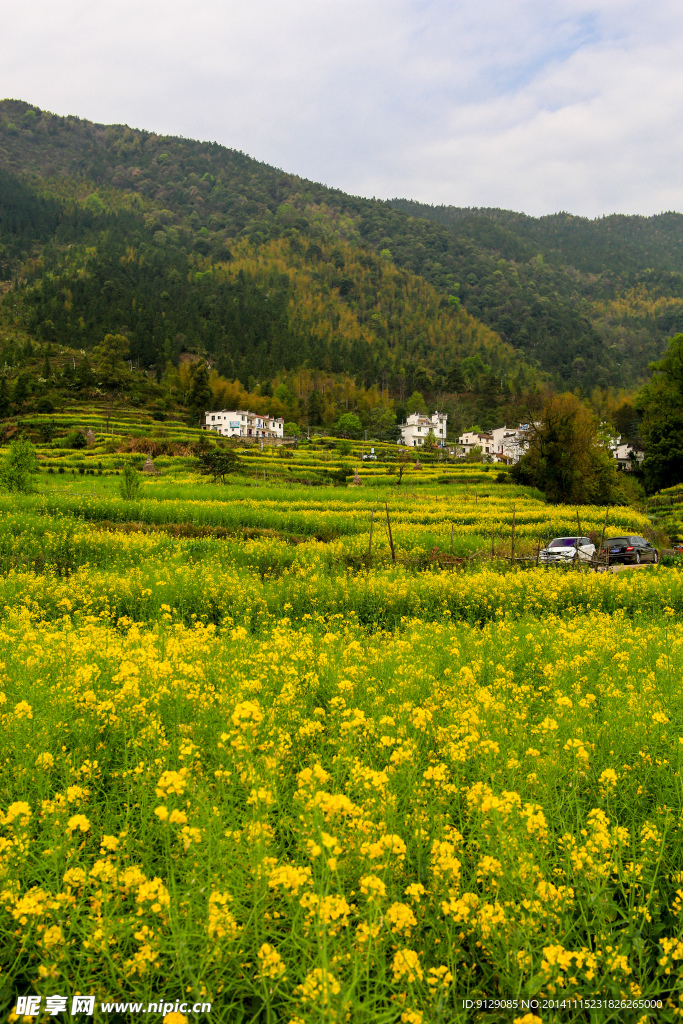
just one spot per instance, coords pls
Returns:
(242, 423)
(415, 430)
(473, 439)
(509, 443)
(627, 455)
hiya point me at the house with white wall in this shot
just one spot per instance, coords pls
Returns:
(627, 456)
(474, 439)
(415, 430)
(510, 443)
(242, 423)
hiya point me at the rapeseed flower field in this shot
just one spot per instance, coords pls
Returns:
(292, 778)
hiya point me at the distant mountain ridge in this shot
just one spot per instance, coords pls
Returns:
(190, 244)
(617, 242)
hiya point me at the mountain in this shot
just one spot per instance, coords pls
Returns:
(185, 246)
(594, 301)
(189, 247)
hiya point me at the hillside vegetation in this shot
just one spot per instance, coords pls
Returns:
(593, 300)
(189, 248)
(109, 229)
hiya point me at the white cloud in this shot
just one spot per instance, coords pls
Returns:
(523, 104)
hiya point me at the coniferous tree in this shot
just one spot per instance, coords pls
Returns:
(199, 396)
(315, 408)
(455, 380)
(21, 390)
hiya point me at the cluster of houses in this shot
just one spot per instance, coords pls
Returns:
(503, 444)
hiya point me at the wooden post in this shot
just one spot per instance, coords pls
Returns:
(391, 539)
(372, 515)
(512, 538)
(602, 538)
(538, 552)
(493, 536)
(451, 538)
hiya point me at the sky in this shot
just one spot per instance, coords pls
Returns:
(531, 105)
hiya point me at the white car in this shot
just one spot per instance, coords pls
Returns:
(568, 549)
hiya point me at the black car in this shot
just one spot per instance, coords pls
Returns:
(629, 551)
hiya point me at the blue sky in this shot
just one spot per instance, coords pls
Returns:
(533, 105)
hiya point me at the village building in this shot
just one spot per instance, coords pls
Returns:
(510, 443)
(473, 439)
(415, 430)
(242, 423)
(502, 444)
(627, 456)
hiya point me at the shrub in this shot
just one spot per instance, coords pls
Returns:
(19, 465)
(130, 484)
(75, 439)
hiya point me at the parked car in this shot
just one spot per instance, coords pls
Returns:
(567, 549)
(629, 551)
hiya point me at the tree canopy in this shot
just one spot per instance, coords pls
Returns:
(565, 456)
(18, 465)
(660, 403)
(218, 462)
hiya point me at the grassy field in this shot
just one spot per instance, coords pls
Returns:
(253, 759)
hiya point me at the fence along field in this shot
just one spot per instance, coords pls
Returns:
(251, 760)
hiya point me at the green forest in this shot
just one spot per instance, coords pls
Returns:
(193, 251)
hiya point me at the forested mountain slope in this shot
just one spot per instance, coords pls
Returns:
(185, 245)
(573, 291)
